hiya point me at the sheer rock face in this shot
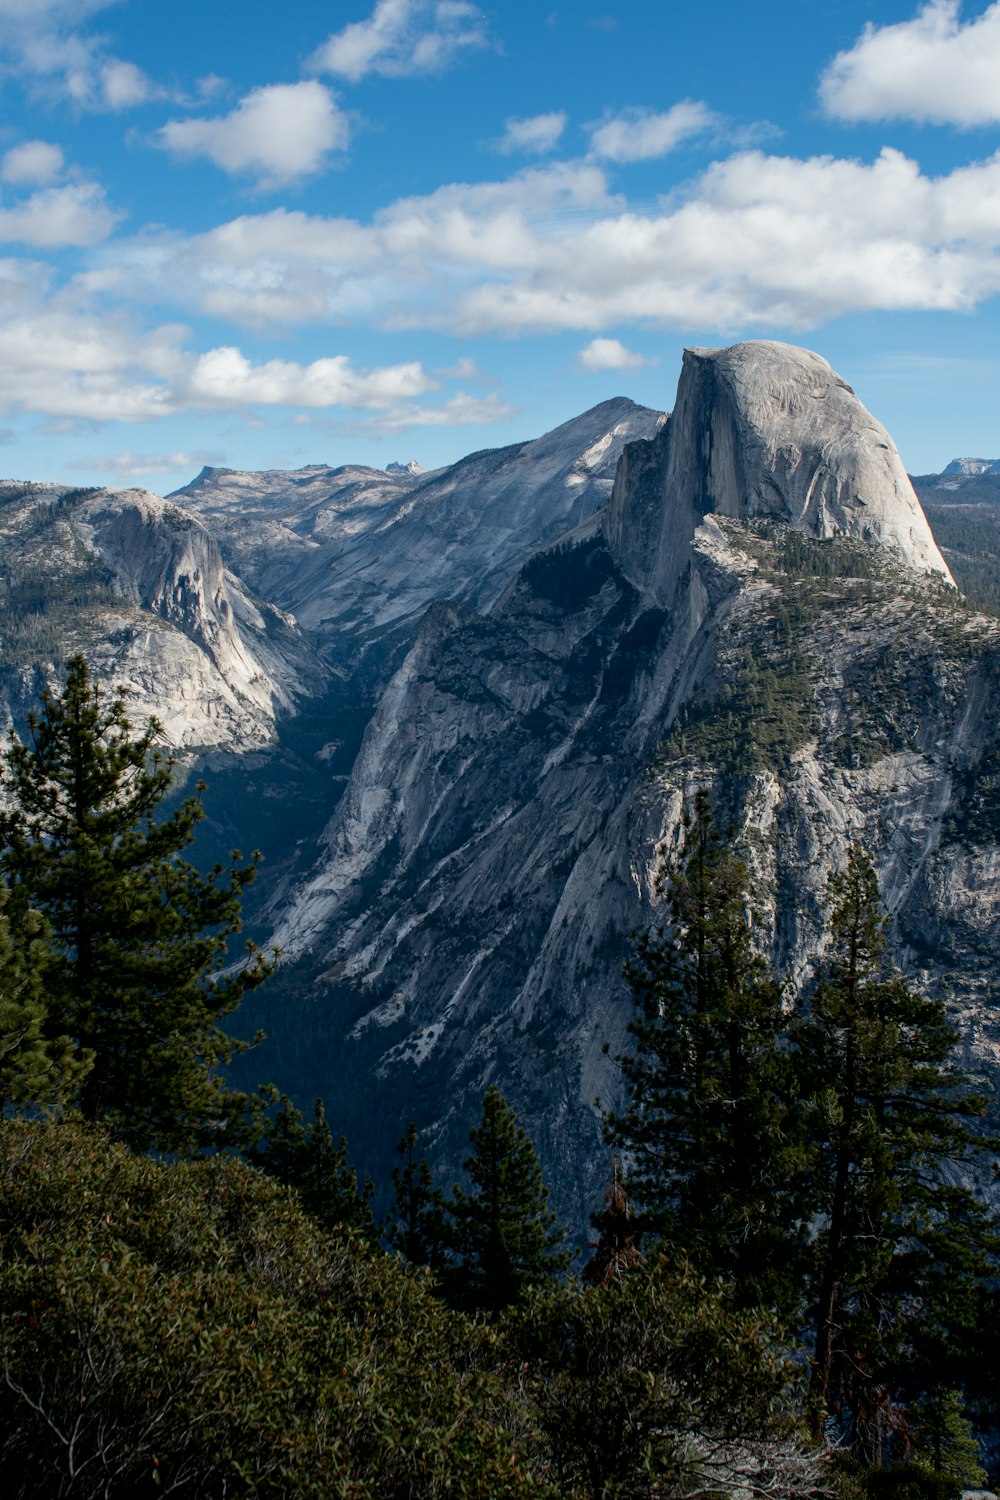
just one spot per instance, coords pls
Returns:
(140, 588)
(238, 664)
(764, 429)
(358, 555)
(527, 770)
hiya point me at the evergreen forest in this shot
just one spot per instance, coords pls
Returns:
(792, 1286)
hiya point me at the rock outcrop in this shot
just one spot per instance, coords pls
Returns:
(765, 614)
(764, 429)
(139, 586)
(358, 555)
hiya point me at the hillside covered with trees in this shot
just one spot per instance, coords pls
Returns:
(792, 1290)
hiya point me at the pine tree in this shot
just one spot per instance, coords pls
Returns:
(899, 1249)
(305, 1158)
(617, 1251)
(417, 1231)
(706, 1132)
(137, 935)
(946, 1448)
(36, 1072)
(504, 1235)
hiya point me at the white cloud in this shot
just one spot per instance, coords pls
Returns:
(44, 42)
(461, 410)
(931, 68)
(537, 134)
(128, 466)
(225, 377)
(756, 242)
(31, 162)
(610, 354)
(640, 135)
(62, 359)
(52, 218)
(403, 37)
(123, 85)
(279, 133)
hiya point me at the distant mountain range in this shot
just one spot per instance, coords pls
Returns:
(463, 713)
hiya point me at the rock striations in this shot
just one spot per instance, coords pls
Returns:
(763, 612)
(765, 429)
(140, 587)
(552, 646)
(357, 555)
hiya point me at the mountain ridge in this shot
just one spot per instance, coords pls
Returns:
(505, 682)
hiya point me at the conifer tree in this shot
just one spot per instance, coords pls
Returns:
(617, 1251)
(305, 1158)
(137, 934)
(417, 1231)
(946, 1448)
(898, 1247)
(36, 1071)
(706, 1130)
(504, 1236)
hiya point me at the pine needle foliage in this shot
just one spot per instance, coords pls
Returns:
(902, 1248)
(305, 1157)
(138, 936)
(706, 1131)
(417, 1230)
(503, 1234)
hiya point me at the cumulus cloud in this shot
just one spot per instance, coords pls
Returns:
(756, 240)
(610, 354)
(535, 135)
(225, 377)
(31, 162)
(641, 135)
(278, 133)
(53, 218)
(63, 359)
(932, 68)
(403, 37)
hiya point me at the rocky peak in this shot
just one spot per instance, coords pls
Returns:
(763, 429)
(970, 467)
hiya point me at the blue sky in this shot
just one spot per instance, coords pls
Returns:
(264, 236)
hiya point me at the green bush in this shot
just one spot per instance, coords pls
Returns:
(184, 1328)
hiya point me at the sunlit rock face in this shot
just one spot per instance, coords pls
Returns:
(761, 612)
(764, 429)
(571, 636)
(358, 555)
(140, 588)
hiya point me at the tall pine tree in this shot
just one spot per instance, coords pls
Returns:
(504, 1236)
(706, 1131)
(901, 1250)
(37, 1071)
(137, 935)
(416, 1228)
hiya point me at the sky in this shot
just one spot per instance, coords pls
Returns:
(369, 231)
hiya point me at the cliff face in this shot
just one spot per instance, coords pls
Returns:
(358, 555)
(140, 588)
(584, 630)
(764, 430)
(764, 614)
